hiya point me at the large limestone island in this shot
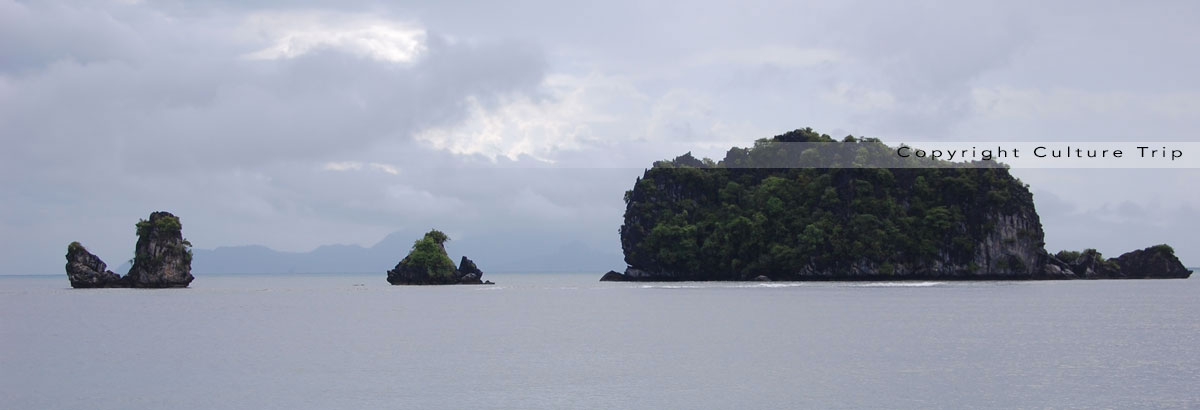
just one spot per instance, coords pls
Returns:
(779, 211)
(429, 264)
(162, 259)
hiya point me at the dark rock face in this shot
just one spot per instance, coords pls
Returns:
(162, 259)
(469, 273)
(85, 270)
(428, 264)
(1153, 262)
(410, 274)
(407, 274)
(613, 276)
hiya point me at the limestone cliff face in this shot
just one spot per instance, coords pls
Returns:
(85, 270)
(739, 219)
(162, 259)
(1011, 249)
(1014, 245)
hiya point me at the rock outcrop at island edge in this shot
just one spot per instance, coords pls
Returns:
(429, 264)
(162, 259)
(85, 270)
(779, 210)
(1157, 261)
(468, 272)
(612, 276)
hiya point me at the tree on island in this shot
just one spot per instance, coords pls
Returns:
(429, 253)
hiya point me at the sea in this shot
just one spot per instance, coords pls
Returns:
(567, 341)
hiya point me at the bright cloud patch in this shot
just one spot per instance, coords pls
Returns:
(359, 166)
(577, 112)
(295, 34)
(521, 125)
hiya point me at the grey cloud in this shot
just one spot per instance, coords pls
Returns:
(82, 34)
(230, 112)
(107, 119)
(110, 111)
(927, 56)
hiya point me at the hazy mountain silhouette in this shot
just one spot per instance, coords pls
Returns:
(496, 254)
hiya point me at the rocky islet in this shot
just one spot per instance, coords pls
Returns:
(812, 211)
(429, 264)
(162, 259)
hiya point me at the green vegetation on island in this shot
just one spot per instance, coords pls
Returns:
(429, 254)
(782, 211)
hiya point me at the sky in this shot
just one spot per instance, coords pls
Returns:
(306, 123)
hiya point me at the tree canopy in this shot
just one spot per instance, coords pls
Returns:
(773, 209)
(429, 254)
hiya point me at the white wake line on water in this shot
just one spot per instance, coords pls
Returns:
(718, 286)
(801, 284)
(894, 284)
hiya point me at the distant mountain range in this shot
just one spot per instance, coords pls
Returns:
(493, 255)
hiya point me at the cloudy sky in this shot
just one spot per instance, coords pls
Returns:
(297, 124)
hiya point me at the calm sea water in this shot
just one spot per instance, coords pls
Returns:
(566, 341)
